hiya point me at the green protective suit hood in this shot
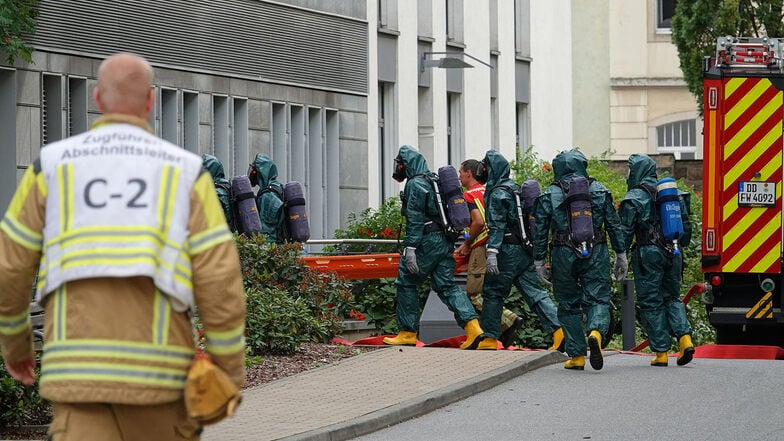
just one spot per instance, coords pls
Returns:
(568, 164)
(642, 170)
(214, 166)
(266, 169)
(497, 169)
(413, 161)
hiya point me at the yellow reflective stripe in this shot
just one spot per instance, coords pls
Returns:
(59, 305)
(226, 342)
(115, 372)
(206, 239)
(65, 183)
(22, 235)
(166, 196)
(113, 233)
(161, 318)
(14, 324)
(22, 193)
(99, 348)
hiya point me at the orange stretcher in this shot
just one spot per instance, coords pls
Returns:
(368, 266)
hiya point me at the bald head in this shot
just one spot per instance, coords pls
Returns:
(125, 86)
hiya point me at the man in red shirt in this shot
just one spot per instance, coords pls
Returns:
(474, 246)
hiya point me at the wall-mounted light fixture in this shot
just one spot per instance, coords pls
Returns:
(450, 61)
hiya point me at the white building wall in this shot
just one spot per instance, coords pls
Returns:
(374, 191)
(476, 81)
(551, 77)
(506, 80)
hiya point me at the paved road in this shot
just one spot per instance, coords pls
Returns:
(709, 399)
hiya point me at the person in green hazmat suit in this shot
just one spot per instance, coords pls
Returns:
(581, 284)
(427, 252)
(269, 199)
(222, 186)
(657, 269)
(508, 260)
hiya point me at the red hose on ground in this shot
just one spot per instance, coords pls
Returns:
(695, 289)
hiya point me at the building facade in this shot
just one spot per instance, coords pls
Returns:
(607, 78)
(329, 90)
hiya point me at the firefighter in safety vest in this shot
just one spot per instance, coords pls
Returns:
(580, 284)
(222, 186)
(507, 260)
(127, 235)
(657, 270)
(427, 253)
(269, 199)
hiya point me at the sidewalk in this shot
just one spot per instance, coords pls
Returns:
(371, 391)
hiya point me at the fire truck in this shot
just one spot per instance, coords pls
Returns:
(743, 112)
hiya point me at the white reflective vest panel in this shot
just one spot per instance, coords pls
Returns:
(117, 206)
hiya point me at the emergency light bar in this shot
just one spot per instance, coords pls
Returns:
(748, 52)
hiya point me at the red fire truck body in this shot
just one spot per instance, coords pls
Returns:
(742, 189)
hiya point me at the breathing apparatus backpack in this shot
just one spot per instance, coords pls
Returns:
(453, 215)
(243, 205)
(223, 190)
(580, 215)
(667, 213)
(529, 191)
(522, 230)
(295, 225)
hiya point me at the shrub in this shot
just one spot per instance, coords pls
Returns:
(384, 223)
(277, 322)
(269, 268)
(19, 404)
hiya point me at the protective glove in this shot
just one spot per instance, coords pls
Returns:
(541, 273)
(410, 260)
(621, 266)
(492, 261)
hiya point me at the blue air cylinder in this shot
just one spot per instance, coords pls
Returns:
(451, 192)
(670, 211)
(243, 205)
(296, 216)
(580, 214)
(529, 191)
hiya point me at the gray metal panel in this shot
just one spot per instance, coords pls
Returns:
(522, 81)
(387, 58)
(494, 76)
(454, 80)
(424, 74)
(268, 41)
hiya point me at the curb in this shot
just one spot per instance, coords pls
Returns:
(404, 411)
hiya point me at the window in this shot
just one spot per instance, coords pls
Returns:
(241, 155)
(220, 130)
(190, 121)
(678, 138)
(665, 9)
(454, 128)
(77, 105)
(52, 112)
(386, 142)
(169, 116)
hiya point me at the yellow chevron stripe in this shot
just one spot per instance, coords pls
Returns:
(732, 85)
(732, 175)
(743, 104)
(766, 311)
(767, 260)
(752, 125)
(756, 241)
(758, 310)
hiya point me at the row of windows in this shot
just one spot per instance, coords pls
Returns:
(303, 140)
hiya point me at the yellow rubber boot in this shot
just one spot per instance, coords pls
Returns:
(576, 363)
(488, 344)
(595, 345)
(660, 359)
(687, 350)
(406, 338)
(558, 340)
(473, 335)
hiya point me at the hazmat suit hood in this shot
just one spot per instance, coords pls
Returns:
(642, 170)
(569, 164)
(413, 161)
(497, 168)
(214, 166)
(266, 170)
